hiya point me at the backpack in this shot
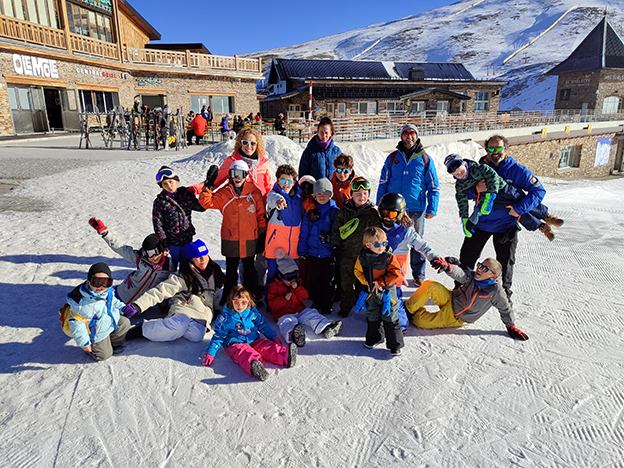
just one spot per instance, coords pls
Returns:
(65, 313)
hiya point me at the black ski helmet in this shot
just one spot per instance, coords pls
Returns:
(392, 202)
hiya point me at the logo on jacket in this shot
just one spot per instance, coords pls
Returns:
(252, 208)
(240, 330)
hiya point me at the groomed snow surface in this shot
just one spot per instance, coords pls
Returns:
(469, 397)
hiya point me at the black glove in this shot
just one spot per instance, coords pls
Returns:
(452, 260)
(261, 242)
(516, 334)
(211, 176)
(303, 257)
(440, 264)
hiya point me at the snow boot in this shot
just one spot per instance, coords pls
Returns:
(297, 335)
(135, 332)
(547, 230)
(396, 352)
(366, 345)
(553, 220)
(258, 370)
(291, 356)
(332, 329)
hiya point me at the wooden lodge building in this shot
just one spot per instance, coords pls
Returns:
(343, 88)
(62, 57)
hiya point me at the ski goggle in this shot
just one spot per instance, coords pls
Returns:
(165, 173)
(483, 267)
(238, 174)
(153, 252)
(380, 244)
(247, 143)
(359, 184)
(492, 149)
(453, 167)
(409, 132)
(343, 171)
(98, 282)
(389, 214)
(240, 302)
(291, 276)
(286, 181)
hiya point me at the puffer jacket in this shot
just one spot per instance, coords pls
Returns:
(420, 188)
(342, 190)
(367, 217)
(258, 171)
(243, 218)
(232, 327)
(402, 239)
(278, 303)
(470, 301)
(199, 306)
(171, 216)
(476, 173)
(316, 161)
(95, 309)
(313, 231)
(523, 192)
(383, 268)
(146, 276)
(283, 226)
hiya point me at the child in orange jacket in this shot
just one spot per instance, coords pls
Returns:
(244, 222)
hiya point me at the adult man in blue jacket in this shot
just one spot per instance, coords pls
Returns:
(522, 193)
(410, 172)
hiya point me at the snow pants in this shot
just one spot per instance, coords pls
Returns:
(102, 350)
(382, 327)
(243, 353)
(350, 285)
(320, 274)
(443, 297)
(418, 261)
(308, 316)
(174, 327)
(250, 277)
(533, 219)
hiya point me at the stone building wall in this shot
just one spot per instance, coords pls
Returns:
(576, 89)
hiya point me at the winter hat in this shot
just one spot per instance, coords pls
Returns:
(151, 243)
(100, 267)
(165, 172)
(323, 186)
(409, 127)
(285, 264)
(452, 162)
(307, 179)
(239, 165)
(195, 249)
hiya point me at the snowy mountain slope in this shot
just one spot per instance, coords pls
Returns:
(480, 34)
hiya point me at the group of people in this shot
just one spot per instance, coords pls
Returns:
(313, 231)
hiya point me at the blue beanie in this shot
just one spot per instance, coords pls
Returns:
(195, 249)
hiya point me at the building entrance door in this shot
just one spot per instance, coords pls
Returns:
(52, 98)
(153, 101)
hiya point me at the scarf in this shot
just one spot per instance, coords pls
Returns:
(324, 144)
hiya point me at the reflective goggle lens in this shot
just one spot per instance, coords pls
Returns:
(240, 302)
(153, 252)
(359, 184)
(498, 149)
(343, 171)
(285, 181)
(380, 244)
(453, 167)
(291, 276)
(97, 282)
(164, 173)
(238, 174)
(409, 132)
(483, 267)
(389, 214)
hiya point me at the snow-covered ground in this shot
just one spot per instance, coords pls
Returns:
(455, 398)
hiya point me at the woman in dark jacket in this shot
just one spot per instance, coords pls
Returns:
(317, 159)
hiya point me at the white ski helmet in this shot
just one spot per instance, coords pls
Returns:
(239, 165)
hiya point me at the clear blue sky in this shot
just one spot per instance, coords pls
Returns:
(244, 26)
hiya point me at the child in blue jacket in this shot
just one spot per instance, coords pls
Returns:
(315, 246)
(238, 329)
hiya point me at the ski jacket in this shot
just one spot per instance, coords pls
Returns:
(316, 231)
(366, 215)
(420, 187)
(383, 268)
(243, 218)
(224, 126)
(146, 276)
(198, 306)
(476, 173)
(342, 190)
(283, 226)
(316, 161)
(402, 239)
(198, 124)
(171, 216)
(470, 301)
(258, 171)
(281, 306)
(523, 192)
(233, 327)
(101, 311)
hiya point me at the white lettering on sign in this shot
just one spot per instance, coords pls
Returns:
(97, 73)
(35, 66)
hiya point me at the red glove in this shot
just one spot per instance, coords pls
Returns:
(98, 225)
(516, 333)
(440, 264)
(278, 341)
(208, 358)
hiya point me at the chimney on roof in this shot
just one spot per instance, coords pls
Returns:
(416, 74)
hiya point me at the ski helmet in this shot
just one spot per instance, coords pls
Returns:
(392, 206)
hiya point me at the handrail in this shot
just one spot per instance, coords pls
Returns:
(90, 46)
(34, 33)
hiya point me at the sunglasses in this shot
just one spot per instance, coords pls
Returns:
(238, 174)
(498, 149)
(98, 282)
(409, 132)
(343, 171)
(359, 184)
(240, 302)
(286, 181)
(453, 167)
(483, 267)
(389, 214)
(164, 173)
(247, 143)
(380, 244)
(153, 252)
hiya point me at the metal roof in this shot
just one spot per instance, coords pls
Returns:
(420, 92)
(602, 48)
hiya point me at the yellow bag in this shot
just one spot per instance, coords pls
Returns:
(65, 312)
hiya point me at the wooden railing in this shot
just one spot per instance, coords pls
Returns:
(89, 46)
(154, 57)
(32, 32)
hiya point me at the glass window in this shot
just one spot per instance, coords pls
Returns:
(611, 105)
(108, 99)
(99, 102)
(86, 101)
(482, 102)
(12, 97)
(220, 104)
(32, 11)
(52, 13)
(20, 9)
(7, 8)
(24, 98)
(569, 157)
(42, 8)
(107, 28)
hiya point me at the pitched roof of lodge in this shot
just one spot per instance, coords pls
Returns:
(308, 69)
(602, 48)
(141, 22)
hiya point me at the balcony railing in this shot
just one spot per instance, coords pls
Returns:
(19, 30)
(154, 57)
(89, 46)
